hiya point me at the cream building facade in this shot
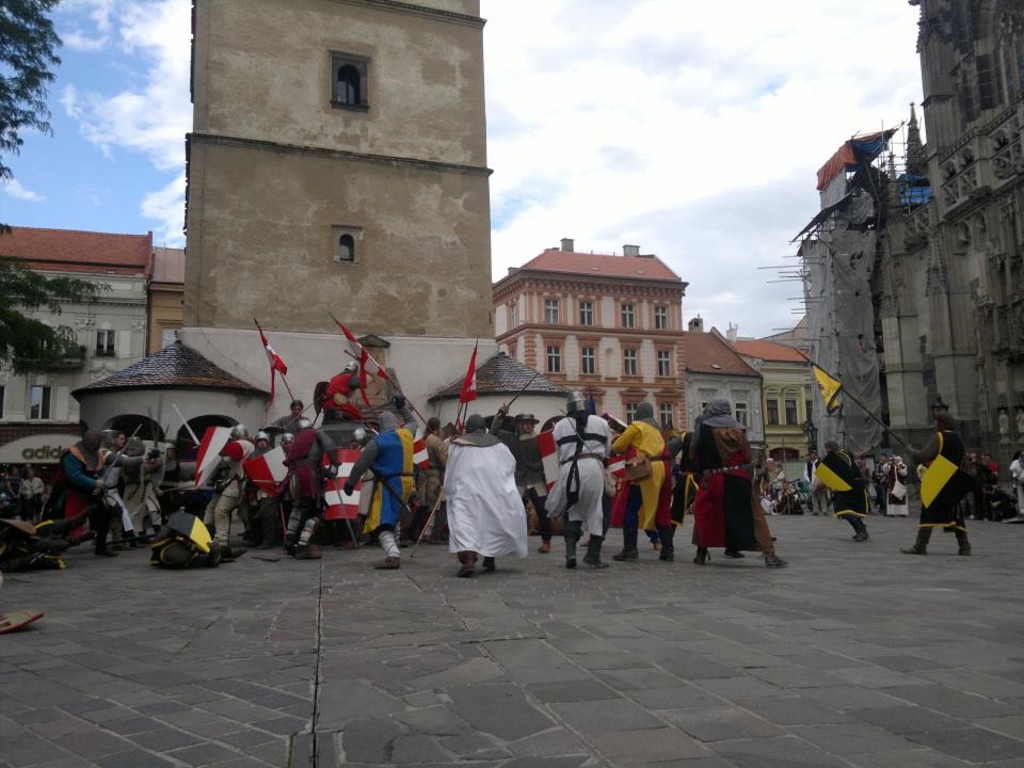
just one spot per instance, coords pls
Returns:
(111, 332)
(338, 165)
(608, 325)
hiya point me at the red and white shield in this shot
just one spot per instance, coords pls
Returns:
(420, 457)
(337, 505)
(267, 471)
(548, 456)
(208, 457)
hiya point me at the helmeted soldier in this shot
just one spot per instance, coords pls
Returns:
(582, 441)
(305, 489)
(228, 488)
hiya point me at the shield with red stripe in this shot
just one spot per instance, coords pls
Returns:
(548, 456)
(337, 505)
(617, 466)
(420, 457)
(208, 457)
(267, 471)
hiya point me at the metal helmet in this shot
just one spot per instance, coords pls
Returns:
(576, 402)
(351, 366)
(304, 423)
(287, 437)
(261, 435)
(359, 436)
(239, 432)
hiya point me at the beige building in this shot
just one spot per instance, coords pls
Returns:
(608, 325)
(166, 289)
(787, 395)
(337, 164)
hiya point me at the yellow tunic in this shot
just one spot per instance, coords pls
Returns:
(645, 439)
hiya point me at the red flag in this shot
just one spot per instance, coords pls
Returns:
(468, 392)
(366, 363)
(276, 363)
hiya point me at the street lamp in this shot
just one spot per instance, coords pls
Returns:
(939, 407)
(811, 432)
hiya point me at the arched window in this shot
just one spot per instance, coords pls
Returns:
(348, 85)
(346, 248)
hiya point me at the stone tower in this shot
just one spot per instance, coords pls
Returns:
(338, 164)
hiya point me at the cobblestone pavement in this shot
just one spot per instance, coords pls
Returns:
(853, 656)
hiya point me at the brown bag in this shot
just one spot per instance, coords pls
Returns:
(638, 467)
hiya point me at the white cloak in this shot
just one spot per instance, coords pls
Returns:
(485, 511)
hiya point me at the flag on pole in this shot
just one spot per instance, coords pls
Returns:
(277, 365)
(366, 363)
(208, 457)
(267, 471)
(338, 506)
(468, 392)
(591, 405)
(830, 388)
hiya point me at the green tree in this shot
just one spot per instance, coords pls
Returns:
(27, 53)
(26, 343)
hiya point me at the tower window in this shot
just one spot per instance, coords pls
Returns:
(345, 239)
(349, 82)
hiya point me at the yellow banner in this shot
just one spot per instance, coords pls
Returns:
(830, 388)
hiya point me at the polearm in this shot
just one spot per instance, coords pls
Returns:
(508, 405)
(185, 424)
(885, 427)
(427, 522)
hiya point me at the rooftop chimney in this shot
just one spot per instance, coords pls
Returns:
(568, 246)
(631, 250)
(697, 324)
(733, 333)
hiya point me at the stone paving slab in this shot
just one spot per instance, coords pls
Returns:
(853, 656)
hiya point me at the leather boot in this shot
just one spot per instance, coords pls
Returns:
(920, 544)
(965, 544)
(668, 550)
(570, 551)
(629, 551)
(593, 557)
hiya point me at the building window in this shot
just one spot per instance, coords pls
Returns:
(39, 402)
(348, 82)
(586, 313)
(554, 359)
(105, 344)
(773, 412)
(666, 415)
(551, 311)
(345, 239)
(791, 415)
(631, 412)
(588, 361)
(513, 315)
(629, 362)
(741, 414)
(664, 362)
(628, 315)
(661, 318)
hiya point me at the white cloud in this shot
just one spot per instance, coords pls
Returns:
(167, 207)
(88, 23)
(15, 189)
(696, 135)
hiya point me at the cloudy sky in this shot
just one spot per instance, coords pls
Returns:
(693, 130)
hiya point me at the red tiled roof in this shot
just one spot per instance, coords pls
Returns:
(638, 267)
(769, 350)
(75, 251)
(710, 353)
(169, 265)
